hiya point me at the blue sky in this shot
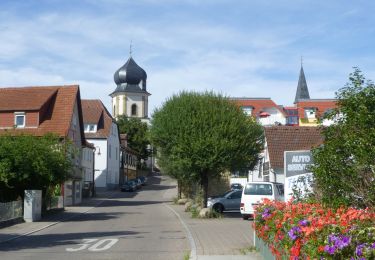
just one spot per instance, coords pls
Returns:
(236, 48)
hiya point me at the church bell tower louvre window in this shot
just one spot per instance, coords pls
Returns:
(134, 110)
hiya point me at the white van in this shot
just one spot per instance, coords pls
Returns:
(254, 192)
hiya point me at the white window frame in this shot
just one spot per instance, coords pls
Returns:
(19, 114)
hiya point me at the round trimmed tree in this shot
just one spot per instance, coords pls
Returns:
(201, 135)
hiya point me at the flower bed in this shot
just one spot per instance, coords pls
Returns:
(310, 231)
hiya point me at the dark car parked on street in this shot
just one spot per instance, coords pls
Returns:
(129, 186)
(143, 180)
(236, 186)
(138, 182)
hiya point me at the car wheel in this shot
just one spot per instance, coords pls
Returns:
(218, 208)
(245, 217)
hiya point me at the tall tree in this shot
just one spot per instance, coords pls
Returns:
(199, 136)
(29, 162)
(137, 132)
(344, 167)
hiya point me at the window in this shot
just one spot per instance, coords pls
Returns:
(19, 119)
(247, 110)
(310, 113)
(258, 189)
(90, 128)
(134, 110)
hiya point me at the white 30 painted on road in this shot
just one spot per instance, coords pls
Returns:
(101, 245)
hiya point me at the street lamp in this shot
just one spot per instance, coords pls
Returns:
(93, 169)
(150, 148)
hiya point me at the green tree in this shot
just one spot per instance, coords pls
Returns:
(344, 165)
(199, 136)
(29, 162)
(137, 133)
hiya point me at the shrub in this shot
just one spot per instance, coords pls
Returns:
(310, 231)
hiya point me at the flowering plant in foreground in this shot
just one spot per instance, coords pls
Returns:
(311, 231)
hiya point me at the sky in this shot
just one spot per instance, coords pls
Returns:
(241, 48)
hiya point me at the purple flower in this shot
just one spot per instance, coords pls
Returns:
(359, 249)
(293, 232)
(373, 245)
(266, 213)
(342, 242)
(330, 249)
(303, 223)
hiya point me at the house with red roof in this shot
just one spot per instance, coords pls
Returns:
(101, 130)
(264, 110)
(51, 109)
(279, 139)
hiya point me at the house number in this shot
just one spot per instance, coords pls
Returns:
(101, 245)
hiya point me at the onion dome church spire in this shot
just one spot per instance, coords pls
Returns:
(130, 97)
(302, 90)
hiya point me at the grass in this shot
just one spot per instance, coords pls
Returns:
(246, 250)
(187, 255)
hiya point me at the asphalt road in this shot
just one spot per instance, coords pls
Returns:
(135, 225)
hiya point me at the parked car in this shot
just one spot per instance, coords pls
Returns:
(236, 186)
(228, 201)
(138, 182)
(129, 186)
(143, 180)
(254, 192)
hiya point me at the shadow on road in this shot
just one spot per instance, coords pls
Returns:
(119, 203)
(68, 239)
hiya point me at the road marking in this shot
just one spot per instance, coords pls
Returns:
(96, 248)
(88, 244)
(193, 252)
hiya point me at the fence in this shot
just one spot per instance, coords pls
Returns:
(11, 210)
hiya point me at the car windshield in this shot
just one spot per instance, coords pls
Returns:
(226, 193)
(258, 189)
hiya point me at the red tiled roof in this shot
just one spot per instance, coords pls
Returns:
(24, 99)
(258, 104)
(290, 138)
(321, 105)
(94, 112)
(60, 109)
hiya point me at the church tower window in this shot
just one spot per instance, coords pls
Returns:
(134, 110)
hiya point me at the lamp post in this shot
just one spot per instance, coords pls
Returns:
(150, 149)
(94, 170)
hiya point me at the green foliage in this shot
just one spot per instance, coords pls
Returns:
(344, 166)
(198, 136)
(29, 162)
(137, 132)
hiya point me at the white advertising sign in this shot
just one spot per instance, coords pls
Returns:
(297, 174)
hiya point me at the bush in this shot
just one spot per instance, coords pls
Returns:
(310, 231)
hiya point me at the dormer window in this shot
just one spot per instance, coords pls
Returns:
(247, 110)
(19, 119)
(90, 128)
(310, 112)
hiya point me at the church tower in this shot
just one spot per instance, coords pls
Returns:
(130, 97)
(302, 90)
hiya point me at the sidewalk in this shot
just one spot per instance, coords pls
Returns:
(225, 238)
(25, 228)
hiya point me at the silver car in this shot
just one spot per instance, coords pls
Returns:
(230, 200)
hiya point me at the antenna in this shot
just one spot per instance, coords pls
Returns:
(301, 61)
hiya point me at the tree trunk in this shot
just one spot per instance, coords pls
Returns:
(204, 184)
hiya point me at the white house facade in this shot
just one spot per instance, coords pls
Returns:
(102, 132)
